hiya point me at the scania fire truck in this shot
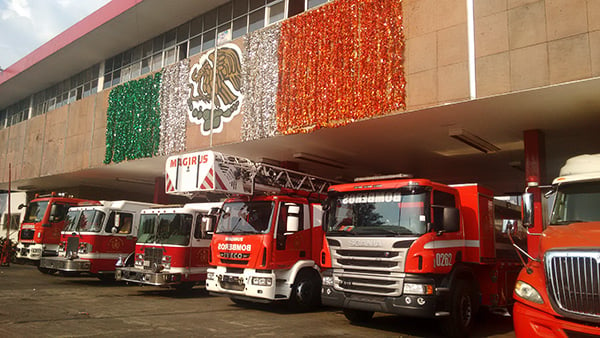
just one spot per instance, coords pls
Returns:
(172, 247)
(417, 248)
(44, 220)
(95, 237)
(558, 292)
(268, 238)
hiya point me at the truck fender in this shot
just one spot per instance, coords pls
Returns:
(290, 275)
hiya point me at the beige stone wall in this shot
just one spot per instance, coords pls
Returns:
(66, 139)
(436, 53)
(524, 44)
(519, 45)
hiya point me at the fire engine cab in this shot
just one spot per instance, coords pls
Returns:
(44, 220)
(417, 248)
(268, 238)
(95, 237)
(172, 247)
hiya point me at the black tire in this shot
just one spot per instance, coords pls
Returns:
(358, 316)
(184, 286)
(46, 270)
(106, 277)
(306, 292)
(462, 307)
(240, 302)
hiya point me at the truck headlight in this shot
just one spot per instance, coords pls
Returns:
(166, 262)
(417, 289)
(327, 281)
(262, 281)
(528, 292)
(139, 260)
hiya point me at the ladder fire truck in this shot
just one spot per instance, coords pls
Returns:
(172, 247)
(417, 248)
(44, 220)
(558, 292)
(95, 237)
(268, 238)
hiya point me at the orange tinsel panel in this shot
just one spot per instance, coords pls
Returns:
(340, 63)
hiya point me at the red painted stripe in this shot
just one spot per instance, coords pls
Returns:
(220, 182)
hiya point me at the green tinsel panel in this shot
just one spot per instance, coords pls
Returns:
(133, 120)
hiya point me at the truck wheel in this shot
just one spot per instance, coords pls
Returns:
(462, 311)
(106, 277)
(306, 293)
(240, 302)
(46, 270)
(358, 316)
(184, 286)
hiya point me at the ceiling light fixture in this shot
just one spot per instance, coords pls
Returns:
(134, 180)
(319, 160)
(472, 140)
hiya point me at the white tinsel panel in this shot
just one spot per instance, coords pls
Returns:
(174, 93)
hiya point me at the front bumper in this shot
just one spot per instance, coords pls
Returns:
(531, 322)
(63, 264)
(240, 285)
(148, 277)
(405, 305)
(32, 251)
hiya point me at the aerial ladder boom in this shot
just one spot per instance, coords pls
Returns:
(209, 171)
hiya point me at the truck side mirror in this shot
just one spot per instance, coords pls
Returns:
(451, 220)
(21, 206)
(53, 213)
(208, 223)
(293, 219)
(528, 219)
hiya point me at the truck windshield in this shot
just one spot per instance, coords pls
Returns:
(576, 202)
(165, 229)
(35, 212)
(382, 212)
(84, 221)
(246, 217)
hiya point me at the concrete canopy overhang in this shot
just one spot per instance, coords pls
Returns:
(414, 142)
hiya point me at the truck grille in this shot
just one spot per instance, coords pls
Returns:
(72, 244)
(373, 272)
(152, 257)
(574, 283)
(27, 233)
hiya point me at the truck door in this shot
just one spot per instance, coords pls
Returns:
(56, 222)
(292, 245)
(200, 242)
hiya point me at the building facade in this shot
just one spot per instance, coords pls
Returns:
(341, 89)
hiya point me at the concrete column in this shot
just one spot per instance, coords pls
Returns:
(160, 197)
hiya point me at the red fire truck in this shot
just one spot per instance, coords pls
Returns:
(44, 220)
(172, 247)
(417, 248)
(268, 238)
(95, 237)
(558, 292)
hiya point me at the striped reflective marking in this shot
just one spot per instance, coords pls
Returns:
(458, 243)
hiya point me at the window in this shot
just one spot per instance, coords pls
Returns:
(256, 20)
(232, 20)
(315, 3)
(276, 12)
